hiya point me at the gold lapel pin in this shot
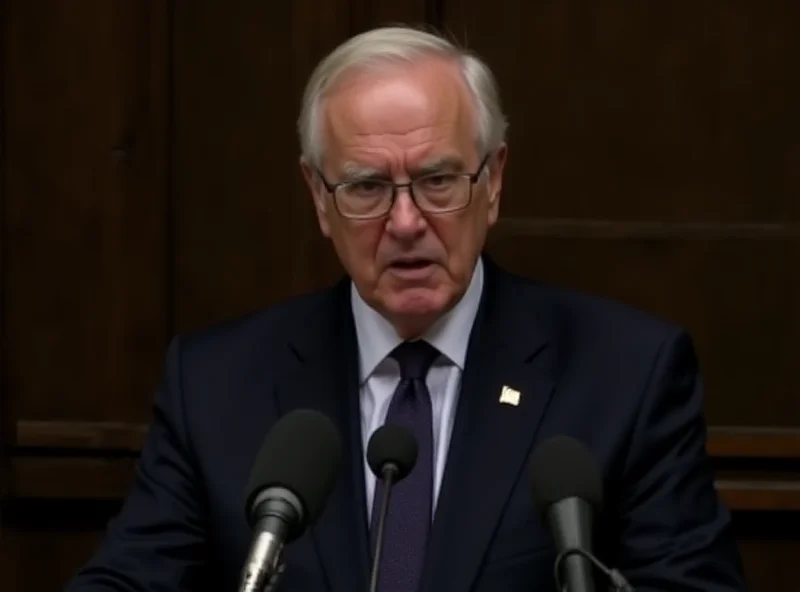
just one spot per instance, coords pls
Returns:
(509, 396)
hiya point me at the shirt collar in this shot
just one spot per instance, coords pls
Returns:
(449, 334)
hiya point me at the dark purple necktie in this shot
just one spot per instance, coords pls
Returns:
(411, 504)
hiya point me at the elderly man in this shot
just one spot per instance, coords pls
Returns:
(403, 151)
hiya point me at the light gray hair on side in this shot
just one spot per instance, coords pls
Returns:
(393, 45)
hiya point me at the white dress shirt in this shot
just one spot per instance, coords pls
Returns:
(379, 375)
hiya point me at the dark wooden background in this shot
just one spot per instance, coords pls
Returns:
(149, 185)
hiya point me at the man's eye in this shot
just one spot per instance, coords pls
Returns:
(442, 181)
(366, 188)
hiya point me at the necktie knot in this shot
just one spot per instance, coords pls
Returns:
(415, 358)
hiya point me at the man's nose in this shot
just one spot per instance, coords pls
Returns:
(405, 217)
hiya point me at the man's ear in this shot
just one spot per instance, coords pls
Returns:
(496, 165)
(317, 191)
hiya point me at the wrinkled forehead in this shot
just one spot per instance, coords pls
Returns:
(421, 110)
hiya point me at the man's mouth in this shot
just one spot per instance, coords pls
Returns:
(411, 264)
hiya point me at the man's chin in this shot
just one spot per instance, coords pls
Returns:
(421, 303)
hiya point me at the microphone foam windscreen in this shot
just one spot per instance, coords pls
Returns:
(562, 467)
(392, 444)
(303, 453)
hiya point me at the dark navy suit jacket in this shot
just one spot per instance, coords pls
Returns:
(621, 382)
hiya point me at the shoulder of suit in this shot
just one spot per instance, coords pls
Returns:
(260, 330)
(582, 315)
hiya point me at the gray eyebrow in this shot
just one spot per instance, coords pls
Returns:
(352, 171)
(443, 163)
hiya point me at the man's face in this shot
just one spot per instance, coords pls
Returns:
(409, 265)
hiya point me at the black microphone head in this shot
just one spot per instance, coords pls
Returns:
(560, 468)
(392, 444)
(302, 453)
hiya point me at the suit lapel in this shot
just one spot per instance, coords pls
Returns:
(491, 440)
(327, 381)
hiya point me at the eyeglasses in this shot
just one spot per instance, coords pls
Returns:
(436, 193)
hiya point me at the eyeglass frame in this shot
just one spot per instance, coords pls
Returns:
(473, 179)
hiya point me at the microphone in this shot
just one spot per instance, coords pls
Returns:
(391, 454)
(568, 492)
(294, 473)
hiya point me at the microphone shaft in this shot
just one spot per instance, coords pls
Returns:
(261, 562)
(570, 522)
(578, 574)
(389, 472)
(275, 513)
(275, 581)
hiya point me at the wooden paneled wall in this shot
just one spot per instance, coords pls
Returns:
(149, 185)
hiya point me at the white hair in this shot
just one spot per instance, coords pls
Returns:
(388, 45)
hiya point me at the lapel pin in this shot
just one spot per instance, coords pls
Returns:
(509, 396)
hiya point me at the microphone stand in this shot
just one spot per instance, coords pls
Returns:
(618, 581)
(389, 472)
